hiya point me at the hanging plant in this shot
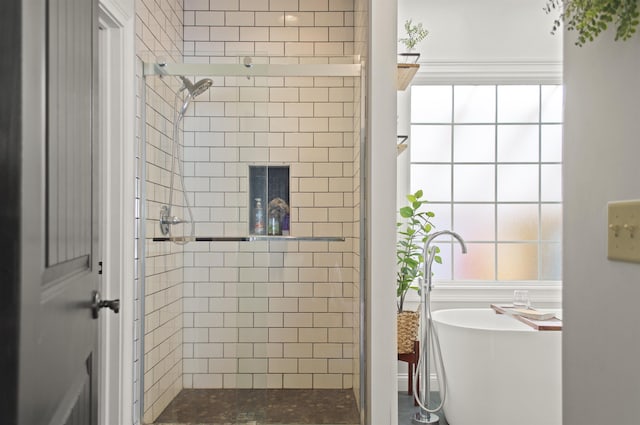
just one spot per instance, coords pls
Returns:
(590, 17)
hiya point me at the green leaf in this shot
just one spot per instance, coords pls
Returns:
(411, 262)
(406, 212)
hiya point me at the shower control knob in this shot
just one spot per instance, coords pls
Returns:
(97, 303)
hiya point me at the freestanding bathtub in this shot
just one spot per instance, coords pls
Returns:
(499, 370)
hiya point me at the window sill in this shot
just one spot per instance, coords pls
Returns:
(452, 294)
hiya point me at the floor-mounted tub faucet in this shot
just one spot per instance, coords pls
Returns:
(426, 415)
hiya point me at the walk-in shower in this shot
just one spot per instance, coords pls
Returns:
(240, 327)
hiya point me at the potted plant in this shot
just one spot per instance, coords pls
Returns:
(413, 232)
(415, 34)
(408, 61)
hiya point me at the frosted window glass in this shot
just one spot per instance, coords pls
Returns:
(442, 219)
(477, 264)
(518, 143)
(518, 103)
(443, 271)
(552, 103)
(476, 222)
(430, 143)
(474, 143)
(551, 143)
(431, 104)
(551, 183)
(518, 222)
(486, 158)
(434, 180)
(550, 261)
(517, 183)
(517, 261)
(474, 104)
(551, 222)
(473, 183)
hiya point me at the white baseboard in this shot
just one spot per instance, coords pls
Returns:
(403, 382)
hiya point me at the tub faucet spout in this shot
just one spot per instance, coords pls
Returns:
(430, 256)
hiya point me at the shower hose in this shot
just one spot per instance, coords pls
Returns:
(175, 157)
(433, 345)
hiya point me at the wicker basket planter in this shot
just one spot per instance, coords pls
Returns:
(408, 323)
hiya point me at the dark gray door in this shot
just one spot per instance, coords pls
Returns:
(58, 347)
(10, 166)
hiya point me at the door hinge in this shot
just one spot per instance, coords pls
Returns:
(99, 267)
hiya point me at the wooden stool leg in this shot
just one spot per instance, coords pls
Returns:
(412, 365)
(410, 368)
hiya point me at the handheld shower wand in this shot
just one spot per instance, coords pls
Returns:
(193, 90)
(430, 340)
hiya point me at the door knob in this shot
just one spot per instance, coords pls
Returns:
(97, 303)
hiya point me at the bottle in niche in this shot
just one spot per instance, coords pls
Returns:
(274, 224)
(285, 225)
(258, 227)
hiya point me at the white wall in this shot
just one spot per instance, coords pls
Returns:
(482, 31)
(601, 344)
(381, 173)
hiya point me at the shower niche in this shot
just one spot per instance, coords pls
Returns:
(269, 200)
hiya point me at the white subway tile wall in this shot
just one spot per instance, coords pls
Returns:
(159, 33)
(273, 314)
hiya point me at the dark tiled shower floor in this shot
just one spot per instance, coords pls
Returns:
(257, 407)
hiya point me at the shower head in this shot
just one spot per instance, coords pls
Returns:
(193, 89)
(197, 88)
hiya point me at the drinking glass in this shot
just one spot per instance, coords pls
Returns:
(521, 299)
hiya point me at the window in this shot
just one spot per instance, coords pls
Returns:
(489, 160)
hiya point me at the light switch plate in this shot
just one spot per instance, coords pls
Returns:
(624, 231)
